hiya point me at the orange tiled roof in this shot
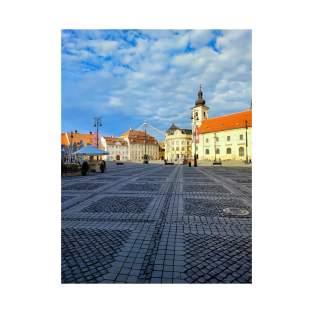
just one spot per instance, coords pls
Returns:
(226, 122)
(115, 140)
(77, 138)
(64, 139)
(138, 136)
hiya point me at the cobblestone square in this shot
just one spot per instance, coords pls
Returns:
(151, 223)
(118, 205)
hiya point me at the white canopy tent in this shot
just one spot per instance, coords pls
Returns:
(90, 150)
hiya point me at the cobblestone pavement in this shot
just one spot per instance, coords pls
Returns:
(139, 223)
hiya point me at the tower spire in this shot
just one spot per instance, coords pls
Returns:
(200, 100)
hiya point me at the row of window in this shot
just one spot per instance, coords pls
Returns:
(177, 142)
(142, 153)
(241, 151)
(142, 150)
(182, 149)
(116, 147)
(227, 138)
(118, 152)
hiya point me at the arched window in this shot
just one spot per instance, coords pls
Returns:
(228, 150)
(241, 151)
(207, 151)
(217, 151)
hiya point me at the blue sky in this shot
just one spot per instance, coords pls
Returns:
(131, 76)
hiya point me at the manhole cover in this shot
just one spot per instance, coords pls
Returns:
(236, 211)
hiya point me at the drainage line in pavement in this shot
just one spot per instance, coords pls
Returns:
(149, 259)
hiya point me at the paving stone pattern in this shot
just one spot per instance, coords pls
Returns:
(65, 198)
(204, 207)
(141, 187)
(153, 223)
(87, 254)
(118, 205)
(83, 186)
(213, 188)
(217, 259)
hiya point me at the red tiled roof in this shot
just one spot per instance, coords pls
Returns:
(115, 140)
(138, 136)
(64, 139)
(77, 138)
(226, 122)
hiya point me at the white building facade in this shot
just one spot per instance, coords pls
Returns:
(227, 137)
(117, 148)
(139, 144)
(224, 145)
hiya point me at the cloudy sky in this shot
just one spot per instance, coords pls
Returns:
(128, 77)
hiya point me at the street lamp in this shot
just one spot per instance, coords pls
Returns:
(214, 147)
(97, 124)
(71, 148)
(145, 157)
(247, 141)
(195, 119)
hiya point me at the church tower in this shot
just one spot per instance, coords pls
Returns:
(200, 110)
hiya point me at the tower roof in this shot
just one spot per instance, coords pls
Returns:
(173, 127)
(200, 100)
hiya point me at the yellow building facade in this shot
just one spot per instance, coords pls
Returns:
(178, 143)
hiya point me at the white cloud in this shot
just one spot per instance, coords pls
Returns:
(176, 42)
(157, 80)
(101, 47)
(199, 38)
(115, 102)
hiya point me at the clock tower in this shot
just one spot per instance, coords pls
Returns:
(200, 110)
